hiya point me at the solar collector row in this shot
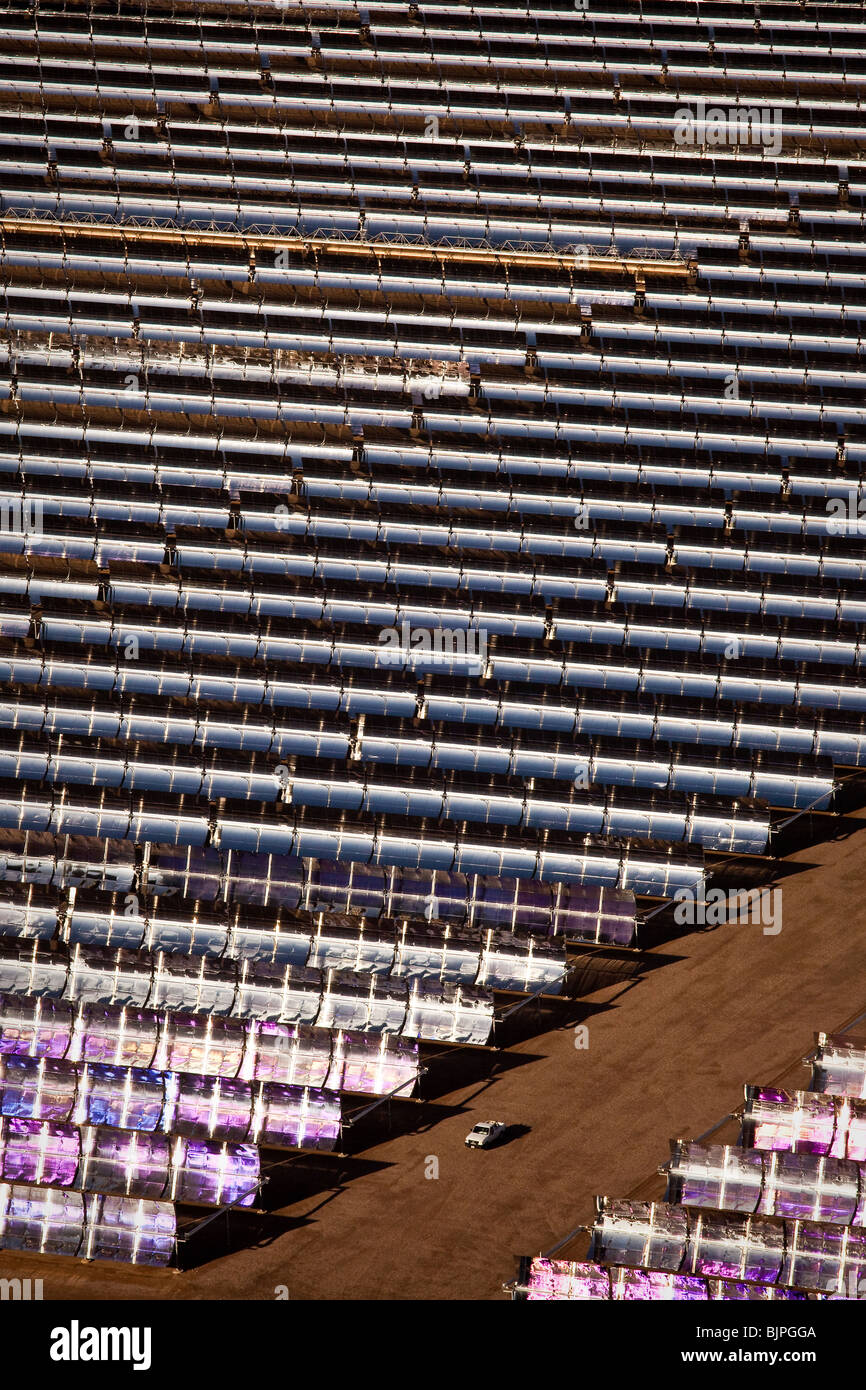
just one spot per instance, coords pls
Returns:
(378, 496)
(276, 993)
(209, 1045)
(478, 41)
(820, 737)
(600, 915)
(496, 960)
(98, 815)
(149, 1101)
(824, 617)
(472, 194)
(561, 762)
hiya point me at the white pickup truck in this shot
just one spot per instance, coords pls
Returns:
(485, 1135)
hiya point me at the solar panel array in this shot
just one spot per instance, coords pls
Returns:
(93, 1226)
(828, 1120)
(595, 915)
(430, 458)
(209, 1045)
(780, 1215)
(496, 959)
(552, 1280)
(150, 1101)
(200, 1171)
(284, 994)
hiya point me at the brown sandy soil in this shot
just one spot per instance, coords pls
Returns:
(669, 1058)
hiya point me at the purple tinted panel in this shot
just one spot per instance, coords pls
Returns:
(211, 1107)
(292, 1053)
(123, 1037)
(818, 1147)
(453, 892)
(51, 1222)
(373, 1066)
(35, 1152)
(218, 1175)
(718, 1269)
(772, 1138)
(135, 1165)
(649, 1285)
(496, 902)
(200, 878)
(811, 1119)
(640, 1234)
(804, 1187)
(275, 1043)
(331, 885)
(733, 1249)
(716, 1176)
(410, 894)
(206, 1047)
(535, 903)
(133, 1231)
(36, 1089)
(124, 1098)
(803, 1122)
(728, 1291)
(261, 878)
(593, 914)
(34, 1027)
(297, 1118)
(560, 1279)
(688, 1290)
(818, 1259)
